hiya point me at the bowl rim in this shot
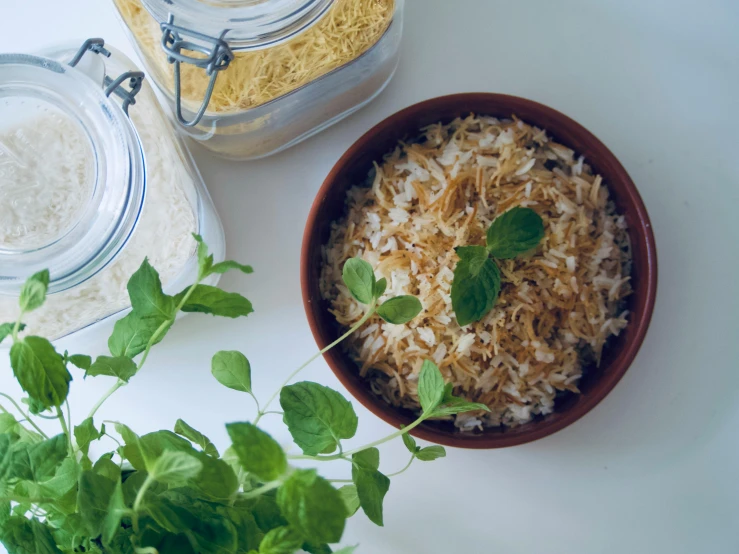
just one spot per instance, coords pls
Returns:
(541, 428)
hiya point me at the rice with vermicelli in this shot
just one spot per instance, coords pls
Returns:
(557, 306)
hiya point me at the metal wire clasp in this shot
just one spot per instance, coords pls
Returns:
(217, 57)
(113, 86)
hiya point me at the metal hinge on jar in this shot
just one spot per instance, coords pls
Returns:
(218, 56)
(113, 86)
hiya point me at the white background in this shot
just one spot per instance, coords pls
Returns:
(654, 468)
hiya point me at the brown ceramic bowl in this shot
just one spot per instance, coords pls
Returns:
(353, 168)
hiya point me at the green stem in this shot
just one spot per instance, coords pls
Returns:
(346, 455)
(361, 322)
(139, 499)
(17, 326)
(107, 395)
(65, 429)
(402, 470)
(152, 341)
(24, 414)
(259, 491)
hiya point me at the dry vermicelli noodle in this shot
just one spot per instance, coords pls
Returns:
(253, 78)
(557, 307)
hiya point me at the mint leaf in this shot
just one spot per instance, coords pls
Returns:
(351, 498)
(258, 453)
(175, 468)
(359, 277)
(312, 507)
(431, 453)
(281, 540)
(147, 298)
(40, 371)
(33, 292)
(232, 369)
(400, 310)
(380, 287)
(193, 435)
(458, 406)
(132, 334)
(228, 265)
(476, 284)
(217, 480)
(122, 367)
(6, 329)
(317, 417)
(27, 536)
(515, 232)
(430, 386)
(81, 361)
(214, 301)
(205, 260)
(116, 510)
(372, 486)
(410, 443)
(85, 433)
(106, 467)
(31, 461)
(93, 499)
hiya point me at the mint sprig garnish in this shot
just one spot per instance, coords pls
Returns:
(476, 284)
(99, 487)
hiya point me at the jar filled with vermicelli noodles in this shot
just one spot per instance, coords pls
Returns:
(93, 180)
(249, 78)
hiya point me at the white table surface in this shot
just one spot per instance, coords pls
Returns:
(655, 467)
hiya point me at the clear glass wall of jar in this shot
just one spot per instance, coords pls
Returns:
(90, 186)
(283, 71)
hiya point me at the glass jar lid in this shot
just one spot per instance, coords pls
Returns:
(72, 175)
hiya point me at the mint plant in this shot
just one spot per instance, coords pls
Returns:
(476, 284)
(168, 492)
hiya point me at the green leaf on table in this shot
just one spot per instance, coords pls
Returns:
(458, 406)
(33, 292)
(410, 443)
(347, 550)
(281, 540)
(81, 361)
(6, 329)
(317, 417)
(175, 468)
(85, 433)
(93, 499)
(430, 386)
(32, 461)
(372, 486)
(214, 301)
(476, 284)
(121, 367)
(106, 467)
(132, 334)
(380, 287)
(228, 265)
(351, 498)
(258, 453)
(195, 436)
(515, 232)
(147, 297)
(400, 310)
(431, 453)
(27, 536)
(312, 507)
(359, 278)
(232, 369)
(40, 371)
(116, 510)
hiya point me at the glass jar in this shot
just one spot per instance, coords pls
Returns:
(279, 70)
(93, 179)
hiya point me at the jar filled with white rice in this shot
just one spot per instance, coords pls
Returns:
(93, 179)
(250, 78)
